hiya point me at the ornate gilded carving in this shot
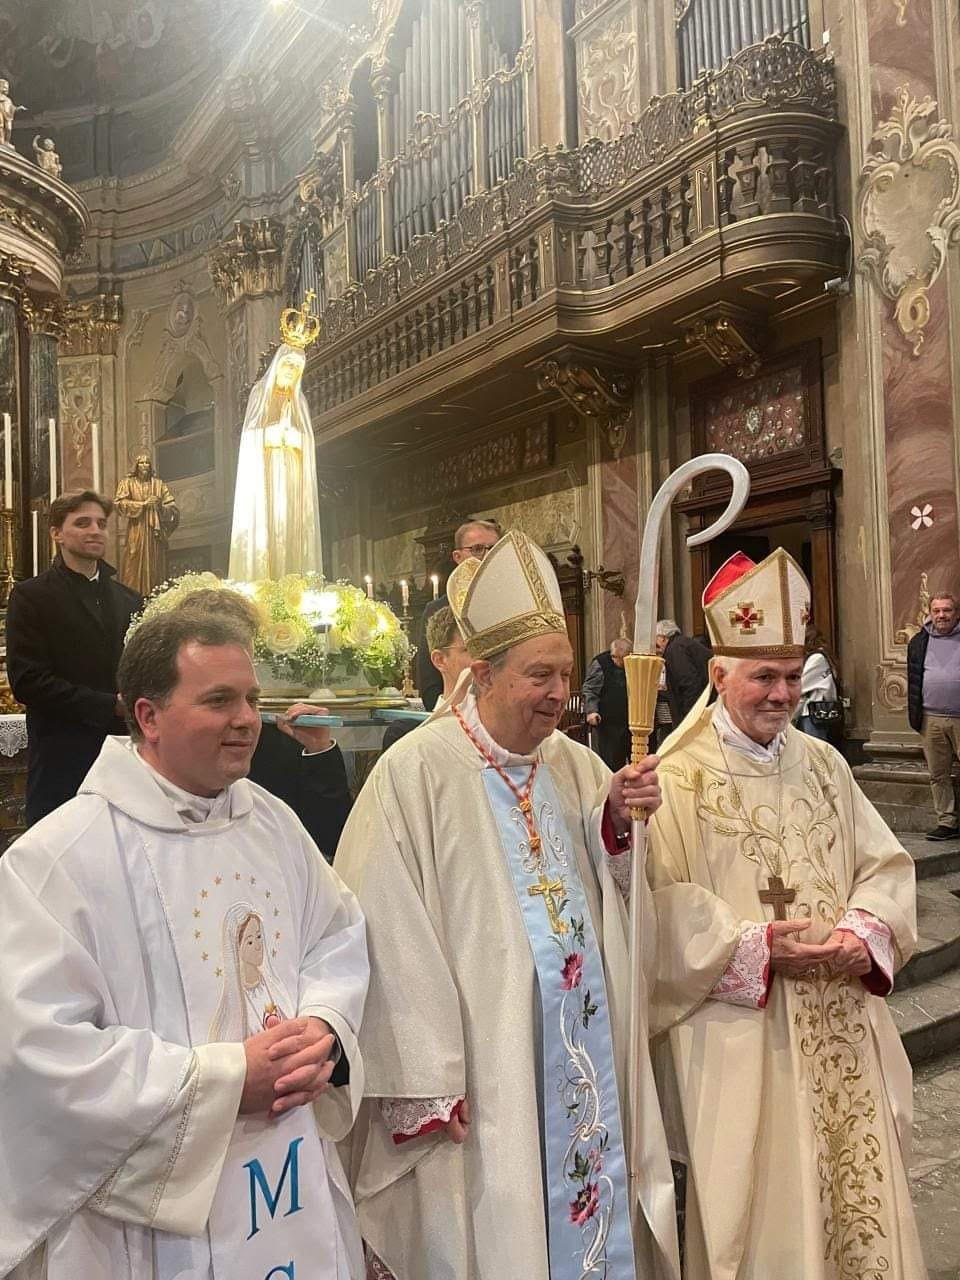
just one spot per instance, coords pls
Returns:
(14, 273)
(909, 209)
(44, 314)
(92, 325)
(80, 406)
(322, 185)
(728, 340)
(608, 86)
(600, 393)
(249, 264)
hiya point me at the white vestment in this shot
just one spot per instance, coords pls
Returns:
(119, 1095)
(791, 1097)
(454, 1011)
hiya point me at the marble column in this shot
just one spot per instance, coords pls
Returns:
(899, 369)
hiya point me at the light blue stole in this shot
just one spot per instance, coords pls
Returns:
(585, 1175)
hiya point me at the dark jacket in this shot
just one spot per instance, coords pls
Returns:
(64, 639)
(916, 660)
(315, 787)
(686, 661)
(398, 729)
(428, 679)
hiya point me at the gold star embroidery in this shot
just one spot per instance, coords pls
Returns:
(237, 875)
(196, 934)
(277, 935)
(218, 879)
(219, 972)
(268, 893)
(203, 893)
(205, 956)
(276, 911)
(196, 913)
(274, 952)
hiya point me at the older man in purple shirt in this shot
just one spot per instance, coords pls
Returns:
(933, 670)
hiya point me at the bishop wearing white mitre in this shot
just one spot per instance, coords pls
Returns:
(182, 975)
(785, 906)
(490, 855)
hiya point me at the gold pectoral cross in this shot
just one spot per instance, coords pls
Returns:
(777, 895)
(550, 891)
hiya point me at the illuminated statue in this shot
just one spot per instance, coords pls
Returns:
(7, 112)
(276, 512)
(152, 514)
(45, 152)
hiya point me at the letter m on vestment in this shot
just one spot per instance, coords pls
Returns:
(259, 1179)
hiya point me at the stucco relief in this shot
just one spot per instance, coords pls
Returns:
(80, 405)
(608, 87)
(892, 688)
(552, 521)
(909, 209)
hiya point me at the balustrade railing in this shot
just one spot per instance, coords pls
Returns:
(587, 219)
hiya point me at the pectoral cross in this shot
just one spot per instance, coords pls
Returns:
(778, 896)
(550, 892)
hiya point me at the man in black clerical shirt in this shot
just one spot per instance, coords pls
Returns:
(65, 631)
(473, 539)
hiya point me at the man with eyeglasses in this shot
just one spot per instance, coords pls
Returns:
(473, 540)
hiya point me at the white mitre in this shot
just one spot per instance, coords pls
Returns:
(758, 610)
(509, 596)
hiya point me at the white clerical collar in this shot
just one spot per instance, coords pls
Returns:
(193, 809)
(732, 736)
(499, 755)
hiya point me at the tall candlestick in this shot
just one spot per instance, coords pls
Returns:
(7, 462)
(36, 542)
(405, 593)
(95, 450)
(52, 431)
(368, 582)
(435, 581)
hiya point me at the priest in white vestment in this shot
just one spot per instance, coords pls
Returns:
(785, 908)
(180, 997)
(490, 855)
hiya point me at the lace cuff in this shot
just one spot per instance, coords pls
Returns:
(746, 979)
(617, 852)
(408, 1118)
(878, 939)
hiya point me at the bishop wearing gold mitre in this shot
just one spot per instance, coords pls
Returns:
(491, 858)
(785, 907)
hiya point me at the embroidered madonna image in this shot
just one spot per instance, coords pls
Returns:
(252, 997)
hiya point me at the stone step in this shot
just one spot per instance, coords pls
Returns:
(938, 929)
(928, 1016)
(931, 857)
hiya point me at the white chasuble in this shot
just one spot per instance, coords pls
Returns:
(454, 1010)
(147, 949)
(794, 1116)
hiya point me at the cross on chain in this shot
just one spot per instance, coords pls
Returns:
(550, 891)
(778, 896)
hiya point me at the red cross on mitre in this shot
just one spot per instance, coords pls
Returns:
(746, 618)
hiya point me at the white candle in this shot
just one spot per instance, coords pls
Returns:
(51, 423)
(435, 580)
(404, 593)
(369, 585)
(95, 451)
(7, 463)
(36, 542)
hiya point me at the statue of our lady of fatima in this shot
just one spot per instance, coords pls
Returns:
(276, 511)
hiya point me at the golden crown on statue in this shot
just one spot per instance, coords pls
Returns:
(298, 325)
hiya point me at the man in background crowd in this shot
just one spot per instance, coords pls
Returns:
(933, 704)
(65, 630)
(447, 653)
(473, 539)
(604, 691)
(685, 668)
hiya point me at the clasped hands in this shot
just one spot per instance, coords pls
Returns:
(288, 1066)
(842, 954)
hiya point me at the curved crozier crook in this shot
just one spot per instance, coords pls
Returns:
(648, 584)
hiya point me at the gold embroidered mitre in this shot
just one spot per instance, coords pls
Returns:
(758, 610)
(509, 596)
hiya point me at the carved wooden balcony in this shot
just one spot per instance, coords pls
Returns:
(719, 196)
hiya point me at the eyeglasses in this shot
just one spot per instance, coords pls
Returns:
(479, 549)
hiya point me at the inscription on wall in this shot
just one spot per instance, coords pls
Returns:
(136, 255)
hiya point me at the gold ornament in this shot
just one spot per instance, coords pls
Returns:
(300, 327)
